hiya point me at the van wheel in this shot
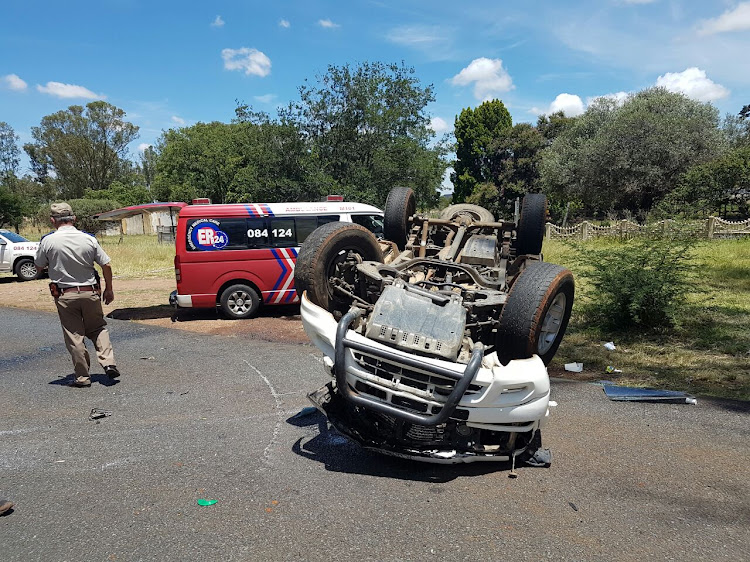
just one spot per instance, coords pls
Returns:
(239, 301)
(474, 212)
(399, 206)
(26, 270)
(536, 314)
(328, 258)
(530, 231)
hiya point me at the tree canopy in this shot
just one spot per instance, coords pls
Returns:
(83, 146)
(476, 130)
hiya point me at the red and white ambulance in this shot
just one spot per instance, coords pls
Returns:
(240, 256)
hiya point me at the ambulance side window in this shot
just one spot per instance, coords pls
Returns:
(283, 232)
(236, 232)
(257, 233)
(305, 226)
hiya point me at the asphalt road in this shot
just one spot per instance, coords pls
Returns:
(212, 417)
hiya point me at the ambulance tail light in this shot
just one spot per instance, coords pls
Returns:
(177, 274)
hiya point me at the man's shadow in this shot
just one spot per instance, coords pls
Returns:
(68, 380)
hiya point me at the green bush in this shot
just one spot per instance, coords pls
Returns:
(639, 283)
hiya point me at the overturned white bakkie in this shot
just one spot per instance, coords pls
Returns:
(436, 338)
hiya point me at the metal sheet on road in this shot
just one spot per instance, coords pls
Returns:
(212, 417)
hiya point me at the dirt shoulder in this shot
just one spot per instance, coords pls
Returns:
(146, 301)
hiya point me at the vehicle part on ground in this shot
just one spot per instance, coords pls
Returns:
(26, 270)
(530, 233)
(328, 261)
(400, 206)
(472, 212)
(437, 348)
(536, 313)
(239, 301)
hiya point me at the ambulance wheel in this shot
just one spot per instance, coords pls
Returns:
(530, 230)
(26, 270)
(329, 258)
(474, 212)
(239, 301)
(536, 314)
(399, 206)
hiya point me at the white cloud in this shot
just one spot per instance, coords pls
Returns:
(143, 146)
(66, 91)
(13, 82)
(178, 120)
(218, 22)
(328, 24)
(266, 98)
(439, 125)
(489, 78)
(570, 104)
(737, 19)
(284, 23)
(694, 84)
(251, 61)
(416, 36)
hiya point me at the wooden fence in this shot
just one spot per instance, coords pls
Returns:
(712, 227)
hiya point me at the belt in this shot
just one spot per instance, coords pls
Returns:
(79, 289)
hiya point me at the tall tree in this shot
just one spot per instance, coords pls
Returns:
(476, 130)
(9, 152)
(630, 156)
(82, 146)
(368, 130)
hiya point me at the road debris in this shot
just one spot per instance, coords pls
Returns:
(97, 413)
(610, 369)
(631, 394)
(574, 367)
(610, 346)
(206, 502)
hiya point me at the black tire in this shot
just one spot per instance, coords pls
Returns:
(26, 270)
(536, 314)
(328, 252)
(239, 301)
(475, 212)
(530, 230)
(399, 206)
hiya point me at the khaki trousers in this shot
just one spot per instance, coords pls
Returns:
(81, 317)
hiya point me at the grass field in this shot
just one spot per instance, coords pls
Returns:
(709, 350)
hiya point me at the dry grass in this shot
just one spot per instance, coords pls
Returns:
(707, 353)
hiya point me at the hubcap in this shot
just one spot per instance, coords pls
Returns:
(239, 302)
(552, 323)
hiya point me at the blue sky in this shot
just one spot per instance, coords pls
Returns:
(169, 64)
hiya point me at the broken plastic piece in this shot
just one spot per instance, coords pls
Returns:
(97, 413)
(541, 458)
(611, 369)
(206, 502)
(630, 394)
(574, 367)
(610, 346)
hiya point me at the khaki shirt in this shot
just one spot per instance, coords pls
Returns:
(70, 256)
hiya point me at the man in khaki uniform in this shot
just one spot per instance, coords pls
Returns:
(69, 255)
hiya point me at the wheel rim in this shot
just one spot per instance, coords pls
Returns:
(28, 270)
(239, 302)
(552, 324)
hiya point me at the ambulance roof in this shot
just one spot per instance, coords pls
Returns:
(277, 209)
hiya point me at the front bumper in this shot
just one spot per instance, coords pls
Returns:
(424, 407)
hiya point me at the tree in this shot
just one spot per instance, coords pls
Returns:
(368, 130)
(11, 208)
(476, 130)
(552, 126)
(82, 146)
(630, 156)
(9, 152)
(513, 168)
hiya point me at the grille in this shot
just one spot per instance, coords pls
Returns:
(435, 386)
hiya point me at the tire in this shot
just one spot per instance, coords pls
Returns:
(475, 212)
(530, 230)
(26, 270)
(536, 314)
(239, 301)
(328, 252)
(399, 206)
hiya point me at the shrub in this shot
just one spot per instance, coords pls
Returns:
(84, 209)
(638, 283)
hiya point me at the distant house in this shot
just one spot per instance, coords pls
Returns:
(151, 218)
